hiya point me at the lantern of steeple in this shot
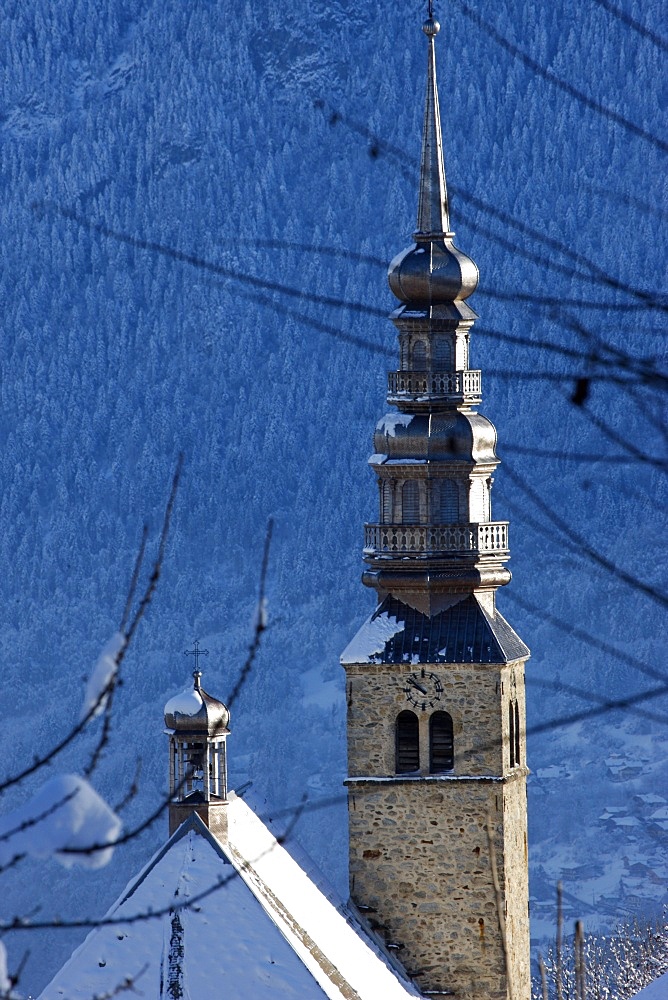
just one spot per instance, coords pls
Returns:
(197, 726)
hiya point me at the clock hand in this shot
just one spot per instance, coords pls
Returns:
(420, 688)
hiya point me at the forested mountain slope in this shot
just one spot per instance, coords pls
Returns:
(157, 155)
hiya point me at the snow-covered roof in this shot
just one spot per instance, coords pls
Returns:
(463, 633)
(270, 929)
(658, 990)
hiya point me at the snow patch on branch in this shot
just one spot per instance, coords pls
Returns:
(104, 672)
(261, 616)
(66, 812)
(5, 984)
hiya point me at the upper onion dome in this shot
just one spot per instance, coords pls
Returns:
(433, 271)
(195, 711)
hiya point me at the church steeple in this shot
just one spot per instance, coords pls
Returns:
(435, 676)
(433, 217)
(434, 460)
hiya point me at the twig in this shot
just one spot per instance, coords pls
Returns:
(134, 578)
(128, 984)
(560, 931)
(578, 947)
(260, 623)
(543, 976)
(132, 791)
(22, 924)
(104, 694)
(34, 820)
(139, 613)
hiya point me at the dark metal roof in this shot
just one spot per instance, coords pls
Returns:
(465, 633)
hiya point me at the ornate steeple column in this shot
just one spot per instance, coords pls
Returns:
(435, 676)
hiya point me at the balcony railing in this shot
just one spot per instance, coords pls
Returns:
(413, 385)
(435, 539)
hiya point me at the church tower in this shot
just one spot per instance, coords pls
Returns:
(435, 677)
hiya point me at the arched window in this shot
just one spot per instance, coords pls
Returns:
(419, 356)
(517, 733)
(410, 502)
(448, 507)
(441, 743)
(407, 743)
(511, 733)
(441, 354)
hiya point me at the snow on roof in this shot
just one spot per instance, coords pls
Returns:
(186, 702)
(463, 633)
(389, 423)
(322, 930)
(270, 930)
(658, 990)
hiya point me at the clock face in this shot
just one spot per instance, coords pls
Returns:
(423, 690)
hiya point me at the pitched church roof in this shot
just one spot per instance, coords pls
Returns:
(268, 928)
(464, 633)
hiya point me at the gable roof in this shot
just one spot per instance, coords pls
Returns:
(656, 990)
(265, 930)
(464, 633)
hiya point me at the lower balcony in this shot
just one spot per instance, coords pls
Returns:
(397, 540)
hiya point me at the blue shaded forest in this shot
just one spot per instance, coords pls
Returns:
(155, 156)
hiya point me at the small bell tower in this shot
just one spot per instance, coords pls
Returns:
(435, 677)
(197, 726)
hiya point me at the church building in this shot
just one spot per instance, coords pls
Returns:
(435, 720)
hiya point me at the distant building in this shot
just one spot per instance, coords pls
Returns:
(436, 729)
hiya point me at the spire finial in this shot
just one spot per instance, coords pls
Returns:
(196, 652)
(433, 216)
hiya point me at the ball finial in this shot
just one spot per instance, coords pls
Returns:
(431, 27)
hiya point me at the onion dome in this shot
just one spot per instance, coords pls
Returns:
(457, 436)
(433, 271)
(195, 711)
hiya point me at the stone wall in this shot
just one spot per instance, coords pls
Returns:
(420, 870)
(420, 865)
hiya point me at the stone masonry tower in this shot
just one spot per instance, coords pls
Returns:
(435, 677)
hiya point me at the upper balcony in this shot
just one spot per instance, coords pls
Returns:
(434, 387)
(435, 540)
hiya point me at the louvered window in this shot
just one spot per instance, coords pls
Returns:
(441, 355)
(441, 743)
(410, 503)
(407, 743)
(419, 356)
(386, 501)
(448, 506)
(479, 501)
(517, 733)
(511, 733)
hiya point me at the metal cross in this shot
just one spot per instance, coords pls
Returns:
(430, 7)
(196, 652)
